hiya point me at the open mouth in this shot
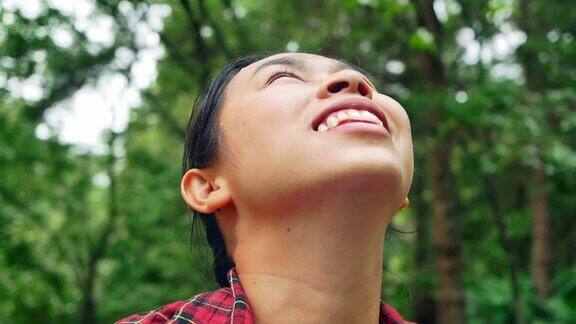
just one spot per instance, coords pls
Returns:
(350, 111)
(344, 116)
(358, 112)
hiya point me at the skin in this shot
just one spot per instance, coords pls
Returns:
(304, 213)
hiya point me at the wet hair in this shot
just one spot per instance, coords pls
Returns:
(200, 149)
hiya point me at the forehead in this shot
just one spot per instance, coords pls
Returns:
(297, 60)
(303, 59)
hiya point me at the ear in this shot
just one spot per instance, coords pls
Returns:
(404, 203)
(202, 192)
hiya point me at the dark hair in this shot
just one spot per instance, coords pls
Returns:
(200, 148)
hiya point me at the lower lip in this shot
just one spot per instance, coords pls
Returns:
(360, 127)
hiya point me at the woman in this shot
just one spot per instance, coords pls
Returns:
(296, 164)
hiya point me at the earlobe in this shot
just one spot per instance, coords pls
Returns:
(202, 193)
(405, 203)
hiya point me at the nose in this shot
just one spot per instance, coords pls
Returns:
(346, 81)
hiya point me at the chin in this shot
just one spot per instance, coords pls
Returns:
(355, 172)
(378, 173)
(370, 176)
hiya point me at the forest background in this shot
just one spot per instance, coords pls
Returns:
(95, 96)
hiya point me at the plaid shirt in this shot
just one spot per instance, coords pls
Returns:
(226, 305)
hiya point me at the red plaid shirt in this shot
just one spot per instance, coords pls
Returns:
(225, 305)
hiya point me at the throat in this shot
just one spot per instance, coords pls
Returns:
(290, 300)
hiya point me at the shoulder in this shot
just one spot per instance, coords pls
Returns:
(209, 307)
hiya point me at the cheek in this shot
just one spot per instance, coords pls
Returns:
(262, 128)
(403, 137)
(260, 139)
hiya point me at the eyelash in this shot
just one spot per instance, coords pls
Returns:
(278, 74)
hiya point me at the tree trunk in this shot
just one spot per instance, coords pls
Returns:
(424, 306)
(88, 311)
(450, 294)
(540, 235)
(450, 298)
(88, 314)
(498, 203)
(539, 196)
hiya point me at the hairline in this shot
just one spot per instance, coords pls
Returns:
(300, 64)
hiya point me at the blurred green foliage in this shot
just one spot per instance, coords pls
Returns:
(93, 236)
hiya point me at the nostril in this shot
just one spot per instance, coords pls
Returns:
(338, 86)
(363, 89)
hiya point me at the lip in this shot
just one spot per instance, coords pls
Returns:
(360, 103)
(360, 127)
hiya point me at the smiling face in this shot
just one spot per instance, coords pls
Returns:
(299, 124)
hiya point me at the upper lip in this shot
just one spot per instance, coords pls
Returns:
(359, 103)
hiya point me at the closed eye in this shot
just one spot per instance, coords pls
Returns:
(281, 74)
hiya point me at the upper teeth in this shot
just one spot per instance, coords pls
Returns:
(337, 117)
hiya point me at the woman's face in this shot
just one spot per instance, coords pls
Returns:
(274, 152)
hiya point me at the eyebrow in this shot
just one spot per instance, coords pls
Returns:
(299, 64)
(290, 61)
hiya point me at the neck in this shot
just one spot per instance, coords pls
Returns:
(315, 265)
